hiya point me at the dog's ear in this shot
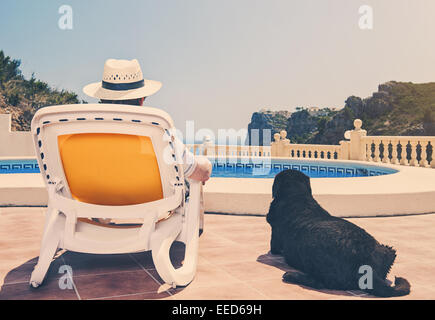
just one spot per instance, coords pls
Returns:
(290, 183)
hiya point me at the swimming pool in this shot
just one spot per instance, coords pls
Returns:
(313, 169)
(245, 168)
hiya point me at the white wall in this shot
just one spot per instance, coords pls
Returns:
(14, 144)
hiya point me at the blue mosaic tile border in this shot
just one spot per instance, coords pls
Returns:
(220, 169)
(19, 167)
(309, 169)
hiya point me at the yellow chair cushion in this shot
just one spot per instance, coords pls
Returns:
(110, 169)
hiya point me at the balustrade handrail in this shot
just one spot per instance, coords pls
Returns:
(301, 145)
(399, 137)
(295, 145)
(229, 150)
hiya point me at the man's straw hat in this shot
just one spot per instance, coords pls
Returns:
(122, 80)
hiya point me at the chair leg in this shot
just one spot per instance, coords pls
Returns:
(161, 243)
(49, 246)
(169, 231)
(162, 261)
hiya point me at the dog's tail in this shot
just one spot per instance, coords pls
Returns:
(383, 258)
(382, 289)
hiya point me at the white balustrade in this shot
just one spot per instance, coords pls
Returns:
(403, 150)
(414, 151)
(411, 150)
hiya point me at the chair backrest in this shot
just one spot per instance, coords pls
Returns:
(110, 169)
(108, 154)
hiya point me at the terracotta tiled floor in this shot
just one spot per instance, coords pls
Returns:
(233, 262)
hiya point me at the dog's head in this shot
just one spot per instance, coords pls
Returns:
(290, 183)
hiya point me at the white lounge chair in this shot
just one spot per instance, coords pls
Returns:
(115, 162)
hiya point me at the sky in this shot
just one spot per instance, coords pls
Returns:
(220, 61)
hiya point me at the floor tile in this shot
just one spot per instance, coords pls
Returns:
(235, 291)
(234, 262)
(89, 264)
(115, 284)
(49, 290)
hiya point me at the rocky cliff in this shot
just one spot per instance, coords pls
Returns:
(397, 108)
(275, 121)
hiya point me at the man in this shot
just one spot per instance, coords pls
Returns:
(123, 83)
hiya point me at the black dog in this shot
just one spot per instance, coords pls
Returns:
(328, 250)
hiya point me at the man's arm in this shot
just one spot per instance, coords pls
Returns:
(195, 167)
(202, 170)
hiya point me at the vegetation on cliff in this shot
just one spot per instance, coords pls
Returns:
(22, 97)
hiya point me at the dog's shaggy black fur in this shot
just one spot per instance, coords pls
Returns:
(328, 251)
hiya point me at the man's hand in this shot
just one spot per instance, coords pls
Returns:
(203, 169)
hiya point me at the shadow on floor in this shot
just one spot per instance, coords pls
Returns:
(279, 262)
(114, 276)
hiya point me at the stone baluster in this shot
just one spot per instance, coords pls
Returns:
(338, 151)
(394, 154)
(423, 160)
(377, 152)
(369, 151)
(404, 154)
(413, 161)
(386, 153)
(432, 162)
(233, 151)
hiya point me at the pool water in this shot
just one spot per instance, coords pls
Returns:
(246, 169)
